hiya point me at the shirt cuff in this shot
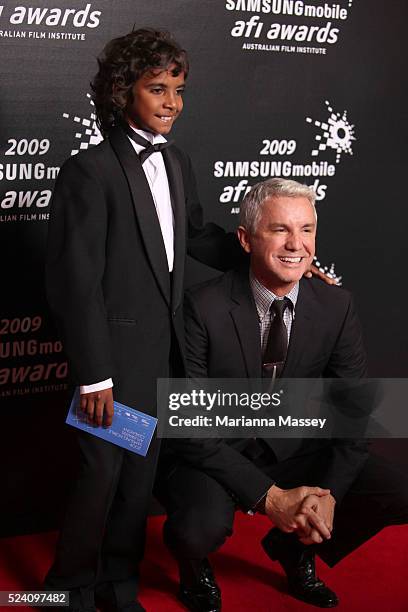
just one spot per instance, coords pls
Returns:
(259, 506)
(99, 386)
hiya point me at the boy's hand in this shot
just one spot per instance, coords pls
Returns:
(313, 271)
(98, 406)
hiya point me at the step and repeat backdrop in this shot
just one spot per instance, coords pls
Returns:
(310, 90)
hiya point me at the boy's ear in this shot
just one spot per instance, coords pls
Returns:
(118, 98)
(243, 237)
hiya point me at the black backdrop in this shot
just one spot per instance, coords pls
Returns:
(311, 90)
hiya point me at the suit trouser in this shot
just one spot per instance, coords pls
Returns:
(103, 533)
(201, 512)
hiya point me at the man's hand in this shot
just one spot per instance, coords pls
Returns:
(313, 271)
(98, 406)
(283, 508)
(311, 506)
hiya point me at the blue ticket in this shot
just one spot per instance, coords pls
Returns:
(130, 429)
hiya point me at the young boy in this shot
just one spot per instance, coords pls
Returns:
(123, 213)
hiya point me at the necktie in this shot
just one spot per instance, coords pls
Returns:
(143, 142)
(277, 343)
(272, 366)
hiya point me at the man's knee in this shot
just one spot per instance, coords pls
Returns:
(392, 491)
(398, 509)
(194, 534)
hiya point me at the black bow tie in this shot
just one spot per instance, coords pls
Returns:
(143, 142)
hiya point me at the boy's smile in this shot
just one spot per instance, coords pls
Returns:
(156, 101)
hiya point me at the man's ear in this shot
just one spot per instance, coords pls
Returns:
(243, 237)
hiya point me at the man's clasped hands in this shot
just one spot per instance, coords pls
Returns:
(306, 511)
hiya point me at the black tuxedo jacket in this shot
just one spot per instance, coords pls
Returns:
(222, 336)
(107, 276)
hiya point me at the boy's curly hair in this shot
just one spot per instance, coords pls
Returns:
(123, 61)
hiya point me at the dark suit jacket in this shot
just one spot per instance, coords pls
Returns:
(107, 277)
(222, 335)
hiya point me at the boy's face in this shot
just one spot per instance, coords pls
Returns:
(156, 101)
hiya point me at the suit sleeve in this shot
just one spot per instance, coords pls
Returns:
(244, 481)
(347, 364)
(75, 267)
(208, 243)
(348, 358)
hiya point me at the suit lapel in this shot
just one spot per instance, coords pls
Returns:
(144, 208)
(303, 328)
(245, 319)
(178, 202)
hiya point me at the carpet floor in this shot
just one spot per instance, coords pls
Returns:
(374, 578)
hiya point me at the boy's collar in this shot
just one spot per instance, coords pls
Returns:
(153, 138)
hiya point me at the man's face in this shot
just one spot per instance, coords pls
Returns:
(156, 101)
(283, 244)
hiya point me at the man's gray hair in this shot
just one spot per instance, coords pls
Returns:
(252, 204)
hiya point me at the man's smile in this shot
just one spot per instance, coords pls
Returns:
(290, 260)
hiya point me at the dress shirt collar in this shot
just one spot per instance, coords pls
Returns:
(264, 297)
(153, 138)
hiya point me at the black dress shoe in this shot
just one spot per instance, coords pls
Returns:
(134, 606)
(201, 593)
(68, 609)
(76, 604)
(105, 600)
(298, 561)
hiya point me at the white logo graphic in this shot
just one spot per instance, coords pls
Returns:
(91, 134)
(338, 133)
(52, 17)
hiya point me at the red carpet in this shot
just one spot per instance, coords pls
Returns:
(374, 578)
